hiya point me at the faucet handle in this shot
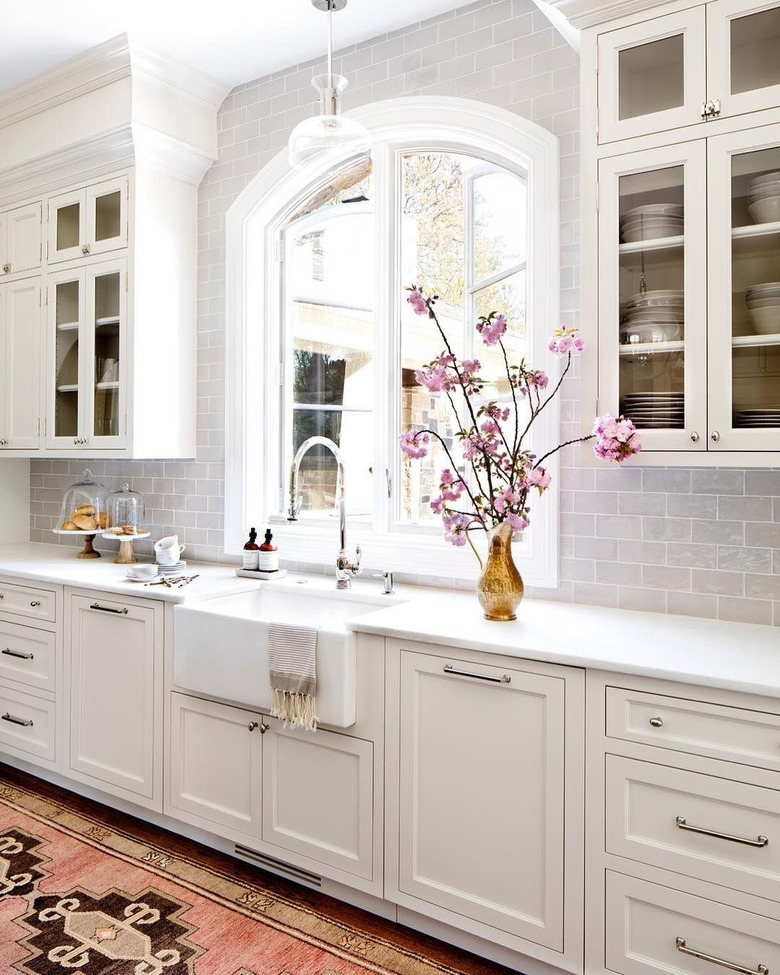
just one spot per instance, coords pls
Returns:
(356, 570)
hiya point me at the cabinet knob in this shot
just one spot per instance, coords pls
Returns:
(714, 436)
(85, 248)
(6, 269)
(3, 442)
(657, 722)
(695, 438)
(35, 602)
(252, 725)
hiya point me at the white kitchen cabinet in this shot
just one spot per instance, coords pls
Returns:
(21, 345)
(30, 673)
(276, 790)
(88, 221)
(684, 244)
(683, 808)
(21, 242)
(485, 806)
(114, 671)
(715, 60)
(86, 375)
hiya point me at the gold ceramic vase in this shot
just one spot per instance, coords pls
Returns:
(500, 586)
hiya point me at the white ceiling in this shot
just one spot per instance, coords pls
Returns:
(233, 40)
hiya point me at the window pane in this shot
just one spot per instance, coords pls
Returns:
(351, 432)
(500, 225)
(508, 296)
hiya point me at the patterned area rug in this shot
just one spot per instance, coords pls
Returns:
(76, 896)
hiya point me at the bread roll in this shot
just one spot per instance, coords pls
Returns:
(68, 526)
(85, 522)
(85, 509)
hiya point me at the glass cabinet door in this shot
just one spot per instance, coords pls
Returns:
(88, 221)
(66, 226)
(652, 288)
(66, 314)
(106, 321)
(743, 55)
(651, 76)
(744, 299)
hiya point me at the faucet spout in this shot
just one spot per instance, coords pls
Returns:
(344, 568)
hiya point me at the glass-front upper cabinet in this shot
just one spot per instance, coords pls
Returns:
(87, 221)
(652, 313)
(744, 290)
(713, 61)
(87, 324)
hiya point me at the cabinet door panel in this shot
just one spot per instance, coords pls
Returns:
(720, 831)
(114, 721)
(106, 216)
(651, 76)
(216, 764)
(482, 768)
(743, 55)
(20, 319)
(66, 226)
(24, 238)
(28, 655)
(744, 289)
(27, 726)
(318, 792)
(648, 922)
(652, 294)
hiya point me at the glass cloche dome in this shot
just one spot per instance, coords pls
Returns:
(125, 511)
(84, 506)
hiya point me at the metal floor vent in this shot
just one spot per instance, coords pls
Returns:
(278, 866)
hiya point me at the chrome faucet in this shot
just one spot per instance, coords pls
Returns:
(344, 568)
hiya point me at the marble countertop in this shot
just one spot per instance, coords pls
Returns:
(737, 656)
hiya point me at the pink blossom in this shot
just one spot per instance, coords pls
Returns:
(535, 378)
(490, 428)
(471, 366)
(616, 438)
(414, 443)
(417, 300)
(518, 522)
(565, 340)
(492, 328)
(505, 498)
(539, 478)
(455, 526)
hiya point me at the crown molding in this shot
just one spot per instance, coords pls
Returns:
(590, 13)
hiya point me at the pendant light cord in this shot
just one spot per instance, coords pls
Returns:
(330, 40)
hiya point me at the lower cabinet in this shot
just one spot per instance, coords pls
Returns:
(114, 667)
(487, 809)
(245, 776)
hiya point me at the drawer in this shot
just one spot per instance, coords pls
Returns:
(652, 929)
(27, 725)
(28, 655)
(40, 604)
(729, 833)
(735, 734)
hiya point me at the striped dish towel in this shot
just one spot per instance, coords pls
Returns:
(292, 658)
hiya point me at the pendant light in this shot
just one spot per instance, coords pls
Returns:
(315, 139)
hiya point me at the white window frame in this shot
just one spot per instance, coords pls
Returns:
(253, 302)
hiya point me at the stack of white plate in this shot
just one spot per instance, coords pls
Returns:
(764, 198)
(765, 416)
(652, 221)
(763, 302)
(655, 410)
(169, 570)
(653, 316)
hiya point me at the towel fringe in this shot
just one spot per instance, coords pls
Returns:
(295, 710)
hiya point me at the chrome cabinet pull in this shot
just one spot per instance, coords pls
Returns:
(264, 727)
(252, 725)
(695, 438)
(6, 269)
(758, 841)
(731, 965)
(657, 722)
(25, 722)
(16, 653)
(503, 679)
(109, 609)
(85, 248)
(35, 602)
(715, 436)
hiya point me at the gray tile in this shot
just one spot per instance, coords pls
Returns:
(666, 577)
(618, 573)
(717, 482)
(606, 549)
(648, 553)
(692, 604)
(718, 532)
(761, 535)
(633, 503)
(763, 482)
(693, 556)
(745, 509)
(645, 600)
(745, 610)
(692, 506)
(666, 480)
(760, 586)
(718, 581)
(740, 559)
(618, 526)
(593, 594)
(666, 529)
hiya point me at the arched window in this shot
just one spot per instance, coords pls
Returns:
(459, 198)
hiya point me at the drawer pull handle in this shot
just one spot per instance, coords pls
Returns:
(731, 965)
(657, 722)
(26, 722)
(109, 609)
(16, 653)
(503, 679)
(758, 841)
(35, 602)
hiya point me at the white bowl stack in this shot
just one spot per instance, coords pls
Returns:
(656, 409)
(763, 302)
(764, 198)
(653, 316)
(652, 221)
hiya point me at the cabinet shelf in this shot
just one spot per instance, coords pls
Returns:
(68, 388)
(109, 320)
(648, 348)
(114, 384)
(756, 230)
(656, 244)
(68, 327)
(754, 341)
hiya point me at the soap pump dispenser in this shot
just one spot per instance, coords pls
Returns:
(268, 555)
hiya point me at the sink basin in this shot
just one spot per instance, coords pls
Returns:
(220, 646)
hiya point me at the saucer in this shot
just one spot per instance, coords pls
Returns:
(129, 578)
(165, 569)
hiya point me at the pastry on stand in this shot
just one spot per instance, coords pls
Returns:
(84, 512)
(125, 517)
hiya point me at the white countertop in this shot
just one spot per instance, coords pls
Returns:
(737, 656)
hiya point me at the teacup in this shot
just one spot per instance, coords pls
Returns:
(141, 571)
(167, 550)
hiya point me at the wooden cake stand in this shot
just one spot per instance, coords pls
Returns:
(89, 536)
(126, 555)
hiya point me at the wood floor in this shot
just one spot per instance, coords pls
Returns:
(460, 961)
